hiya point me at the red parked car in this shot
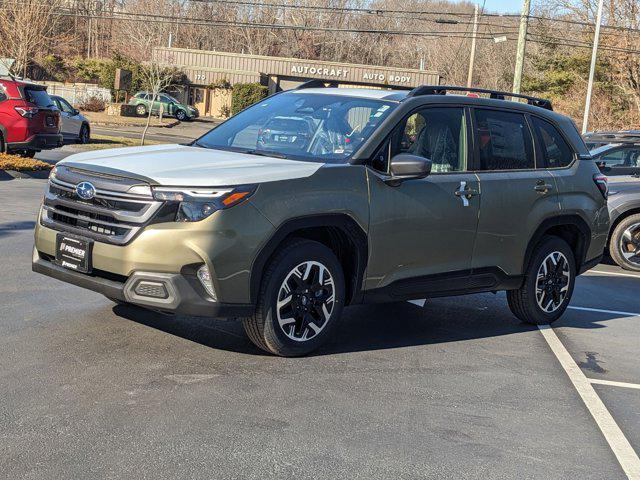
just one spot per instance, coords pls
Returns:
(29, 120)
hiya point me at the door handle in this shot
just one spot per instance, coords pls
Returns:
(542, 187)
(465, 193)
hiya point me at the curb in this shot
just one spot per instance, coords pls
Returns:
(12, 174)
(110, 124)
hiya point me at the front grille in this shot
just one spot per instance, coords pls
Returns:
(112, 215)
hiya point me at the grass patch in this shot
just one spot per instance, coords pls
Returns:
(99, 142)
(21, 164)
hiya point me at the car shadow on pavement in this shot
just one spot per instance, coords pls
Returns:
(10, 228)
(374, 327)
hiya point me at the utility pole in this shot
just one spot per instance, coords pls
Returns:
(592, 70)
(522, 43)
(472, 60)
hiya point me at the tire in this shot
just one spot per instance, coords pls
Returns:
(181, 115)
(542, 306)
(141, 110)
(314, 315)
(3, 145)
(84, 136)
(27, 153)
(624, 245)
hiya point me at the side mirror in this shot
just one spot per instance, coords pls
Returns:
(405, 166)
(75, 112)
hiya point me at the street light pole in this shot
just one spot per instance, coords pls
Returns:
(592, 70)
(522, 43)
(472, 59)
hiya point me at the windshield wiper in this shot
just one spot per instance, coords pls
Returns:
(264, 153)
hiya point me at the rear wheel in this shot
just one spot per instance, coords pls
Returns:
(3, 145)
(624, 246)
(548, 284)
(300, 300)
(27, 153)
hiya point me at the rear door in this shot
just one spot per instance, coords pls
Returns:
(422, 231)
(518, 192)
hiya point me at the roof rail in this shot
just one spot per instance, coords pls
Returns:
(317, 83)
(443, 89)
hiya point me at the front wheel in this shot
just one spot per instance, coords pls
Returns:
(84, 136)
(181, 115)
(548, 284)
(624, 246)
(141, 110)
(300, 300)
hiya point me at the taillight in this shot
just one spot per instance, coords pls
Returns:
(27, 112)
(601, 182)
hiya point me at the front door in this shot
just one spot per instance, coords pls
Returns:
(69, 119)
(422, 232)
(518, 192)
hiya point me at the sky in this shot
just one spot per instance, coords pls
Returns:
(502, 6)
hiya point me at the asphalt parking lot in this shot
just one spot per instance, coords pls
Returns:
(456, 389)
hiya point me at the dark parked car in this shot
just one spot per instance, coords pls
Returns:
(624, 210)
(616, 153)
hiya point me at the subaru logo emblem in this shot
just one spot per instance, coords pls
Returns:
(85, 190)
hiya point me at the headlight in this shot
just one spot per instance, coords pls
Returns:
(196, 204)
(52, 173)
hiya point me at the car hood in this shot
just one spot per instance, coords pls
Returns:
(179, 165)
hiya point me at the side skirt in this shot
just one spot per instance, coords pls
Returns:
(464, 282)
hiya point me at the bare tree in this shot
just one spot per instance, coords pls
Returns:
(156, 78)
(26, 26)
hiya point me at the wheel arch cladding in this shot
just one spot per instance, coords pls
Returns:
(571, 228)
(339, 232)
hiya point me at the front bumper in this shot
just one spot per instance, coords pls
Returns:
(40, 141)
(183, 293)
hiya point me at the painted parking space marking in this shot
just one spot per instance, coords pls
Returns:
(622, 449)
(615, 274)
(600, 310)
(599, 381)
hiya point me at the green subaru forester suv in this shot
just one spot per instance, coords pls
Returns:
(319, 198)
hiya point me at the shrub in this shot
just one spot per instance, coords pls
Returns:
(246, 94)
(92, 104)
(20, 164)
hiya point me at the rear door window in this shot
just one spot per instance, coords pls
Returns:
(3, 95)
(38, 97)
(503, 141)
(555, 150)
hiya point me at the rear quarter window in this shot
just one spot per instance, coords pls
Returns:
(38, 97)
(555, 149)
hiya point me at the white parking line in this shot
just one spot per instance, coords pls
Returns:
(619, 444)
(600, 310)
(595, 272)
(611, 383)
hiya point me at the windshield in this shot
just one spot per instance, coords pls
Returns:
(302, 126)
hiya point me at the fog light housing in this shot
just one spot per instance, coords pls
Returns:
(205, 279)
